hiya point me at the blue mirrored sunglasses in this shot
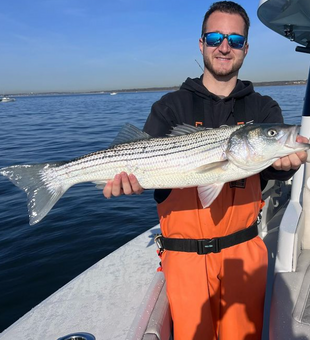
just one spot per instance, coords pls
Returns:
(215, 39)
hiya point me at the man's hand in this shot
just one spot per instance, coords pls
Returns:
(122, 184)
(293, 161)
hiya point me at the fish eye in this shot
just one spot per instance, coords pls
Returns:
(272, 132)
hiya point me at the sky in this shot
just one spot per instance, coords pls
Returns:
(101, 45)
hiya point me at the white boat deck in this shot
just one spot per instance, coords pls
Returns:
(112, 290)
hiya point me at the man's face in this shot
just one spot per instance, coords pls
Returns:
(223, 60)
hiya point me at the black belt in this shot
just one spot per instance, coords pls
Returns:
(206, 246)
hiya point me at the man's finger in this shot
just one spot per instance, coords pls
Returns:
(116, 186)
(107, 190)
(127, 189)
(136, 187)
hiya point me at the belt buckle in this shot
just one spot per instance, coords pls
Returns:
(207, 246)
(157, 240)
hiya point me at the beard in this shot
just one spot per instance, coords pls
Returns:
(222, 72)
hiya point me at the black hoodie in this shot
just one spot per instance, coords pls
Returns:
(186, 106)
(179, 107)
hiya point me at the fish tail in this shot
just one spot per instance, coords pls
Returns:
(42, 186)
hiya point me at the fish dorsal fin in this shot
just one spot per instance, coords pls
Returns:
(184, 129)
(129, 133)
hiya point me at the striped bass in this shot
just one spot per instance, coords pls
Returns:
(188, 157)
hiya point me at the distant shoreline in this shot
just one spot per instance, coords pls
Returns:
(151, 89)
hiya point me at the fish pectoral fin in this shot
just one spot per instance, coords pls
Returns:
(212, 166)
(208, 193)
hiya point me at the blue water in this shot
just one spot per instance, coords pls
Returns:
(83, 227)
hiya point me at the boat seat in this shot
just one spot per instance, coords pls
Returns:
(290, 305)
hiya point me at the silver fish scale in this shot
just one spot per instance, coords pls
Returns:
(154, 161)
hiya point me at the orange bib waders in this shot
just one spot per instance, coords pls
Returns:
(218, 294)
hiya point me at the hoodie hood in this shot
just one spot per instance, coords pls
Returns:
(215, 111)
(242, 89)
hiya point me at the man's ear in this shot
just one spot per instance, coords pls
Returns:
(246, 49)
(201, 45)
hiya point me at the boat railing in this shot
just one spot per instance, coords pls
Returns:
(153, 319)
(290, 302)
(294, 232)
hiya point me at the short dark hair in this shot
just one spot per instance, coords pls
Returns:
(229, 7)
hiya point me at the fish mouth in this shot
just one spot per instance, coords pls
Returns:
(291, 142)
(291, 138)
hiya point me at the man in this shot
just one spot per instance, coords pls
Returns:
(221, 293)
